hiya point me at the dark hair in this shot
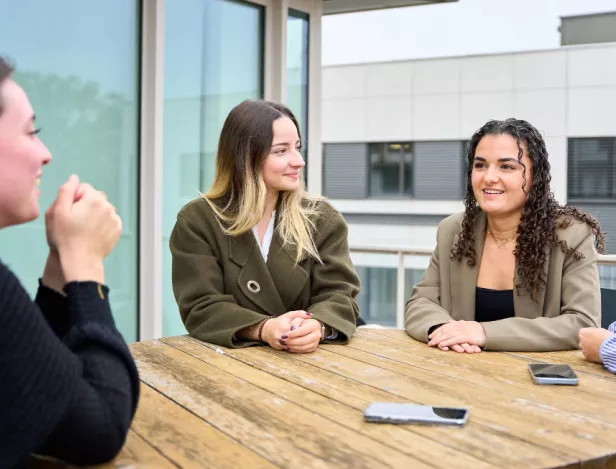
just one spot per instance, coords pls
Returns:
(541, 214)
(6, 70)
(244, 143)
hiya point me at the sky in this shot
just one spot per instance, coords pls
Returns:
(466, 27)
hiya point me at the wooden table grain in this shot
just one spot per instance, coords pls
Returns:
(212, 407)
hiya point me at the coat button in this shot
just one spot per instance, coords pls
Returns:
(253, 286)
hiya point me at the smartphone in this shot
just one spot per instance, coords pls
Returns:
(545, 373)
(390, 412)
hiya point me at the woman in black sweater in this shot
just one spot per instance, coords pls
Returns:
(69, 384)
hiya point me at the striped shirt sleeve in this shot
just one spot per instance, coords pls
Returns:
(608, 350)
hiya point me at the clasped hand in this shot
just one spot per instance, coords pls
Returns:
(295, 331)
(460, 336)
(82, 228)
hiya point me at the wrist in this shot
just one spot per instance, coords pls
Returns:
(261, 327)
(483, 336)
(322, 328)
(266, 330)
(78, 268)
(53, 277)
(603, 347)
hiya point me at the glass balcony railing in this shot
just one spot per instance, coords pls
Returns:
(388, 274)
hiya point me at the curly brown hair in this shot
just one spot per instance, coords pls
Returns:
(541, 214)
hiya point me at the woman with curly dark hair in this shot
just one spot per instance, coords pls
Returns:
(516, 271)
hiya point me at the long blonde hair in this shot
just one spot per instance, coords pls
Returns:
(238, 193)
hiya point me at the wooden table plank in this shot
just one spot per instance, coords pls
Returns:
(482, 442)
(282, 432)
(498, 371)
(397, 437)
(526, 420)
(186, 439)
(136, 453)
(574, 358)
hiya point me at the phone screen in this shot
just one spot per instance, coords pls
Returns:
(552, 371)
(394, 412)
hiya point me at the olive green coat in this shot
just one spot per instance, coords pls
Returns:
(212, 272)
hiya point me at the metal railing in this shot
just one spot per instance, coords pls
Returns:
(402, 251)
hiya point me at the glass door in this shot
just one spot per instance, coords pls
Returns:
(213, 61)
(83, 80)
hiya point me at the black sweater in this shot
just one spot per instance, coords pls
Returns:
(69, 387)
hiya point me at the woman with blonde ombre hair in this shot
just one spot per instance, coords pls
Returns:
(257, 259)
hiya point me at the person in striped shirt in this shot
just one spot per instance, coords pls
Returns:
(599, 345)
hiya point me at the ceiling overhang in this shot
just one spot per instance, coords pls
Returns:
(332, 7)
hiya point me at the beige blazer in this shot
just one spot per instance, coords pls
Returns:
(222, 283)
(570, 301)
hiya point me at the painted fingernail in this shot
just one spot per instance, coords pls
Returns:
(309, 314)
(285, 336)
(292, 328)
(282, 342)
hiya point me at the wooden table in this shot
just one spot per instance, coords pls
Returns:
(207, 406)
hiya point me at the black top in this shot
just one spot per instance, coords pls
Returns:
(69, 385)
(492, 305)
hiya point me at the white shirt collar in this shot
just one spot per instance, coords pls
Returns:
(267, 238)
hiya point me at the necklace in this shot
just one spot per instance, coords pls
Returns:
(500, 242)
(492, 229)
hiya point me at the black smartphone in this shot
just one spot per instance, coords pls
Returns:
(390, 412)
(545, 373)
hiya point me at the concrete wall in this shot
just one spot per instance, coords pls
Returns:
(588, 29)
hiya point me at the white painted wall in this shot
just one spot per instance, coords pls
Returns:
(403, 236)
(398, 206)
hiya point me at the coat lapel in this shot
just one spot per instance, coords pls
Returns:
(254, 280)
(464, 277)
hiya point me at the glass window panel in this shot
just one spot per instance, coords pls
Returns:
(83, 80)
(297, 71)
(213, 61)
(407, 161)
(392, 153)
(377, 297)
(411, 278)
(384, 169)
(607, 276)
